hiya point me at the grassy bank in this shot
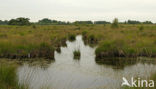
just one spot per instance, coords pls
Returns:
(32, 41)
(124, 41)
(42, 40)
(8, 78)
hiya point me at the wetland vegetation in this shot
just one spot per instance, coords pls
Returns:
(41, 40)
(8, 78)
(77, 54)
(100, 43)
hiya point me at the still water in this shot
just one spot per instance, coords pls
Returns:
(68, 73)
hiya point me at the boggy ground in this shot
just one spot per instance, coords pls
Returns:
(40, 41)
(32, 41)
(127, 41)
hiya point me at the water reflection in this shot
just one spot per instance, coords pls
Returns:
(120, 63)
(67, 73)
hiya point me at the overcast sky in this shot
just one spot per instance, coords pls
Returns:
(71, 10)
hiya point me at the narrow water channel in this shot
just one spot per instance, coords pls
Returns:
(86, 73)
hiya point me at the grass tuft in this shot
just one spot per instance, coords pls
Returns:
(72, 37)
(77, 54)
(8, 78)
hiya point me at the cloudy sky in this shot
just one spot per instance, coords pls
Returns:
(71, 10)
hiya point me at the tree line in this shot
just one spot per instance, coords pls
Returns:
(26, 21)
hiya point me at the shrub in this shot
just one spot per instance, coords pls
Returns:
(19, 21)
(115, 23)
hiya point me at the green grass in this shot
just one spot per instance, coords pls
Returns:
(38, 41)
(41, 41)
(126, 40)
(8, 78)
(72, 37)
(77, 54)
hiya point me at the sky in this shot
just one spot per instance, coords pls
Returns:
(73, 10)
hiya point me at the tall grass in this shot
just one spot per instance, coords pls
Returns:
(32, 41)
(72, 37)
(119, 48)
(8, 78)
(128, 40)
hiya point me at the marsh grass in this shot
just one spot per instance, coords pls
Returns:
(89, 39)
(72, 37)
(84, 33)
(77, 54)
(119, 48)
(126, 41)
(17, 42)
(8, 78)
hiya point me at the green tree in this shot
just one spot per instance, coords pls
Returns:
(83, 22)
(45, 21)
(115, 23)
(19, 21)
(3, 22)
(101, 22)
(133, 22)
(147, 22)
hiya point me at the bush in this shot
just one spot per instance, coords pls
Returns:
(115, 23)
(19, 21)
